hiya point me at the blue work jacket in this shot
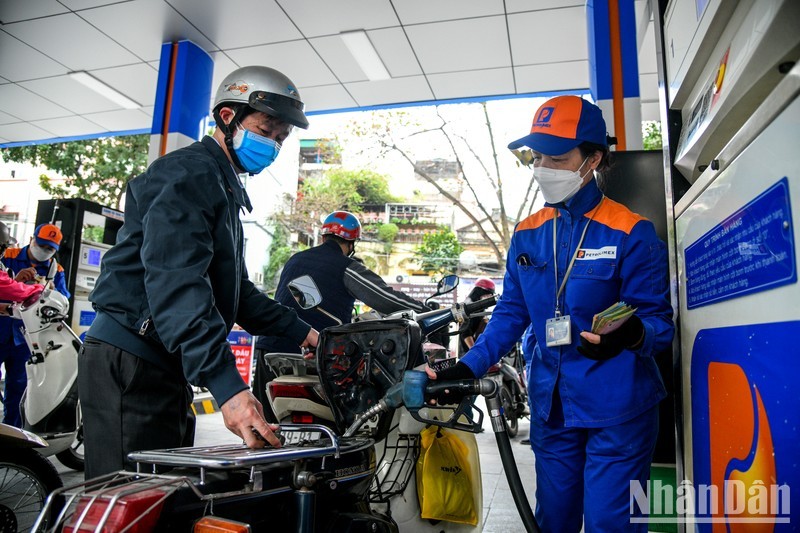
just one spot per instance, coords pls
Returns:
(16, 259)
(172, 287)
(620, 259)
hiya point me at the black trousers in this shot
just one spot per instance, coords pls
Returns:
(129, 404)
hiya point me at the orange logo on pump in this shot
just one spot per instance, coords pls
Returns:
(742, 451)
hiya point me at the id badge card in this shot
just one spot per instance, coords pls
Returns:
(558, 331)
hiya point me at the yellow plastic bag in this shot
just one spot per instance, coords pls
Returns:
(444, 478)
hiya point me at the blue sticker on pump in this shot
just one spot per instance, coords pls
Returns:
(750, 251)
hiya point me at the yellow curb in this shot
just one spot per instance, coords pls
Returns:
(205, 407)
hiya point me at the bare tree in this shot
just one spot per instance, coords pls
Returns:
(392, 131)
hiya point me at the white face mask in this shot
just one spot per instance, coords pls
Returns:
(40, 254)
(558, 185)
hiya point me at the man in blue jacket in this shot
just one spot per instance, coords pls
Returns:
(172, 287)
(594, 397)
(30, 264)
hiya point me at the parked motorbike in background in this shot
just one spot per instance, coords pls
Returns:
(509, 373)
(26, 478)
(49, 405)
(353, 473)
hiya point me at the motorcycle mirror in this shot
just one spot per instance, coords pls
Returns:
(447, 284)
(305, 292)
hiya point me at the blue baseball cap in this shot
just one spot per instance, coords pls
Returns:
(561, 124)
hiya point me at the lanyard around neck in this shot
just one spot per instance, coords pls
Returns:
(574, 255)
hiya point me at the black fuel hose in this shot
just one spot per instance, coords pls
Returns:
(514, 482)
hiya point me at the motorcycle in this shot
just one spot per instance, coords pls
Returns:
(26, 478)
(355, 471)
(49, 405)
(510, 375)
(295, 395)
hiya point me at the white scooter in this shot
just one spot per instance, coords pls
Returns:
(50, 406)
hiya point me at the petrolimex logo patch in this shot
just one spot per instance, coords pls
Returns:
(606, 252)
(745, 429)
(543, 117)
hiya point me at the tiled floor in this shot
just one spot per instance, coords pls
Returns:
(499, 512)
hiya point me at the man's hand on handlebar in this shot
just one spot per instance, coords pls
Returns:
(311, 339)
(454, 373)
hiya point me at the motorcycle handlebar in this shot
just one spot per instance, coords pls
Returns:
(480, 305)
(434, 320)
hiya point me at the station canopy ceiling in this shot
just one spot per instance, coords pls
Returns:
(434, 50)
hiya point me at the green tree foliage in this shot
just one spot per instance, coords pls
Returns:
(651, 135)
(387, 234)
(279, 252)
(96, 169)
(337, 188)
(439, 252)
(351, 188)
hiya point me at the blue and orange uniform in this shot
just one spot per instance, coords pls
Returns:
(587, 415)
(14, 352)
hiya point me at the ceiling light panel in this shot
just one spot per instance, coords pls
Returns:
(106, 91)
(365, 55)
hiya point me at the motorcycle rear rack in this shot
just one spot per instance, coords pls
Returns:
(303, 441)
(106, 491)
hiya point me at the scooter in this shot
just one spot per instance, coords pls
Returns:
(341, 475)
(26, 478)
(509, 373)
(49, 405)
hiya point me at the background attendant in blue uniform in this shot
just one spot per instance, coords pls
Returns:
(341, 279)
(31, 264)
(594, 417)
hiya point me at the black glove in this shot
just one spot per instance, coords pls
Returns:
(628, 336)
(454, 373)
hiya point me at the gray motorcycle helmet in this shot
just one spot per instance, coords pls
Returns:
(6, 239)
(263, 89)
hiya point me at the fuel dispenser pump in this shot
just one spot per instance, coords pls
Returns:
(731, 109)
(89, 230)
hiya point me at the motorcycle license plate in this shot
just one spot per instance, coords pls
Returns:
(297, 438)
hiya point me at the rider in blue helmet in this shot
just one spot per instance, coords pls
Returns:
(341, 279)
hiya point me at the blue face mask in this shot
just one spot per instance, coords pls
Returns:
(255, 152)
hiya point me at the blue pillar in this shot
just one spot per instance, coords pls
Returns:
(614, 68)
(183, 97)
